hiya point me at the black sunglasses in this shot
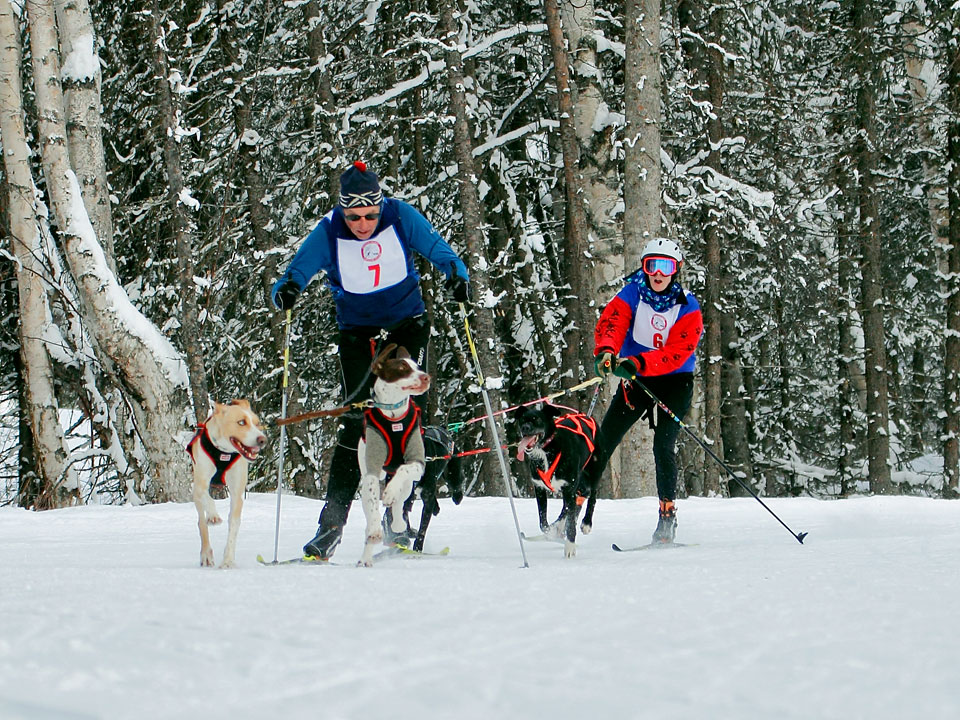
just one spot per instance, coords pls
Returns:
(352, 217)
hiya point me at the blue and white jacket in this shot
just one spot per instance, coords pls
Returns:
(374, 281)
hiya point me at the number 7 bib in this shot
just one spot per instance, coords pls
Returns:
(368, 266)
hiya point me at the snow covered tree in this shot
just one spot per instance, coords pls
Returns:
(80, 75)
(951, 446)
(575, 254)
(642, 188)
(169, 87)
(758, 154)
(147, 364)
(871, 248)
(473, 223)
(57, 480)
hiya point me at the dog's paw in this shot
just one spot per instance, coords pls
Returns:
(389, 497)
(228, 563)
(206, 558)
(396, 491)
(214, 519)
(585, 528)
(397, 524)
(569, 549)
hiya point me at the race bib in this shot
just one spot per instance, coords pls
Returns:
(651, 328)
(368, 266)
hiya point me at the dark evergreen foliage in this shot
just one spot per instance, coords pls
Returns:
(784, 203)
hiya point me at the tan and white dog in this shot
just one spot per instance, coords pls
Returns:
(391, 444)
(221, 451)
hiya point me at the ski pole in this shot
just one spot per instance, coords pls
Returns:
(492, 424)
(283, 432)
(593, 400)
(799, 537)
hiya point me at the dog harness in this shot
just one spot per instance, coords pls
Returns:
(578, 424)
(394, 431)
(223, 461)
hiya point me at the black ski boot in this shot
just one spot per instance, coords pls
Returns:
(404, 539)
(324, 542)
(667, 524)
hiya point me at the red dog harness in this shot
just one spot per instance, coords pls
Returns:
(395, 432)
(223, 461)
(578, 424)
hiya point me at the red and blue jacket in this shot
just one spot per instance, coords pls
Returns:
(666, 341)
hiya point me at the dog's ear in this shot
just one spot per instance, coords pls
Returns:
(551, 410)
(402, 353)
(383, 357)
(244, 403)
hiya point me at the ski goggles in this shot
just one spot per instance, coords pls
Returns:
(654, 264)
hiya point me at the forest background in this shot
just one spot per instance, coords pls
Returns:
(161, 166)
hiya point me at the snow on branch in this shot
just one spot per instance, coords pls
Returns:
(535, 126)
(505, 34)
(397, 90)
(433, 67)
(131, 320)
(81, 64)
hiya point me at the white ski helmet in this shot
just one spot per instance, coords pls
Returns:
(664, 248)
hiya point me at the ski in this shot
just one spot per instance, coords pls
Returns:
(389, 552)
(401, 551)
(653, 546)
(302, 560)
(542, 538)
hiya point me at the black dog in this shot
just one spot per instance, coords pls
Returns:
(558, 444)
(443, 468)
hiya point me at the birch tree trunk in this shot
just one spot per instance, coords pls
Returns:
(467, 180)
(871, 299)
(80, 75)
(178, 197)
(598, 170)
(641, 196)
(599, 179)
(150, 368)
(575, 226)
(920, 72)
(56, 478)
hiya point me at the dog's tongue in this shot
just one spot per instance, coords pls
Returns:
(528, 442)
(249, 453)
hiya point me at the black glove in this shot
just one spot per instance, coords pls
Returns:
(459, 288)
(603, 364)
(628, 368)
(286, 294)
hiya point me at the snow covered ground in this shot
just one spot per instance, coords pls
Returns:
(105, 613)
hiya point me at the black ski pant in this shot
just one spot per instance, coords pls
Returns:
(629, 405)
(358, 348)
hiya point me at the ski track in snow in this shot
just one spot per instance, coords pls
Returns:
(105, 613)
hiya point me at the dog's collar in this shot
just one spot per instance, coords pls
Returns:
(389, 406)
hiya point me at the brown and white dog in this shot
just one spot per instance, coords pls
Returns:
(392, 445)
(221, 451)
